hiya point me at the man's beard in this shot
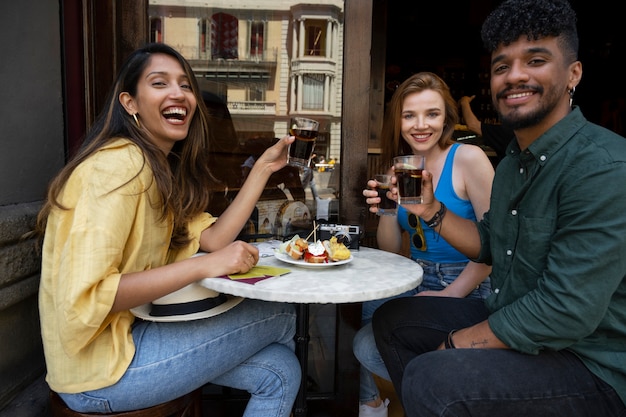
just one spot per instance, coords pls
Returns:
(514, 120)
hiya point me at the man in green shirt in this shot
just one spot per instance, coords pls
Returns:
(551, 340)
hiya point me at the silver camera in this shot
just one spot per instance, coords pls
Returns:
(348, 235)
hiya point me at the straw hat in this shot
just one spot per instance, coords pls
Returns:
(189, 303)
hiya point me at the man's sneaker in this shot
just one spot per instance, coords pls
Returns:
(380, 411)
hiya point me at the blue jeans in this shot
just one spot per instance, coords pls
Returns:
(436, 277)
(479, 382)
(249, 347)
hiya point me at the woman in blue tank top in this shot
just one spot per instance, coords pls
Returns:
(420, 120)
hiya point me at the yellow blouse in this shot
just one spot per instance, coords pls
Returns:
(111, 227)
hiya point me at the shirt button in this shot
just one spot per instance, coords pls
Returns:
(509, 252)
(543, 157)
(521, 170)
(497, 290)
(514, 212)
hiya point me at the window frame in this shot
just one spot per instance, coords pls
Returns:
(114, 29)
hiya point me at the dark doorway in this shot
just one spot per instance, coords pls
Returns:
(444, 37)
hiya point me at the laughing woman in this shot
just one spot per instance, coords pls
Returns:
(120, 225)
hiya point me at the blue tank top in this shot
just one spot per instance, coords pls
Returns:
(436, 249)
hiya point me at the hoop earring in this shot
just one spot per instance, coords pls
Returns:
(136, 120)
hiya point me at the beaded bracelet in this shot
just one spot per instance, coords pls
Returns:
(437, 218)
(449, 344)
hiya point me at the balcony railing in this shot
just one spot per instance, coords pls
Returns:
(252, 107)
(202, 61)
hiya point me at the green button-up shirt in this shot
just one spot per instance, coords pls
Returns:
(556, 237)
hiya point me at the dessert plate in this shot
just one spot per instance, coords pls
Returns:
(301, 262)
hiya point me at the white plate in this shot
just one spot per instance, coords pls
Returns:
(301, 262)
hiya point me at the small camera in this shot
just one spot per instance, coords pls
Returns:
(348, 235)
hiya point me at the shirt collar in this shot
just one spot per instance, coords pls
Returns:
(552, 140)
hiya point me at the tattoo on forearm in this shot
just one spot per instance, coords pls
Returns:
(477, 345)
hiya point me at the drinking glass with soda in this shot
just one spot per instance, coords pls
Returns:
(408, 171)
(386, 207)
(305, 130)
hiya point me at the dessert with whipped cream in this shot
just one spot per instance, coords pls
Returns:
(315, 252)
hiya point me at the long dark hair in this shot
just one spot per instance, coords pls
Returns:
(391, 136)
(182, 177)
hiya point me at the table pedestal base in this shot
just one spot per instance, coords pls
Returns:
(302, 351)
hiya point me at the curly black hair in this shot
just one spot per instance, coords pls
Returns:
(534, 18)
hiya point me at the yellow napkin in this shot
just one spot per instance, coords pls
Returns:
(261, 271)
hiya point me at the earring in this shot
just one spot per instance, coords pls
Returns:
(136, 120)
(571, 92)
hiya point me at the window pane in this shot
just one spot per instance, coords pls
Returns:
(258, 64)
(313, 92)
(256, 39)
(224, 28)
(155, 30)
(204, 36)
(315, 38)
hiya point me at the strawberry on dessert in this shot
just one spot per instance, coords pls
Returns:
(316, 253)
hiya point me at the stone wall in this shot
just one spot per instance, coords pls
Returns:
(21, 353)
(33, 150)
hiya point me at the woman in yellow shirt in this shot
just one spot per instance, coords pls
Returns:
(121, 223)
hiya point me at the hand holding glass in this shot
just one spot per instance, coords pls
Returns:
(386, 207)
(408, 171)
(305, 130)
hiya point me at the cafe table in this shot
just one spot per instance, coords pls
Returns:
(370, 274)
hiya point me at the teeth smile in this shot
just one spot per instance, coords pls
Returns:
(520, 95)
(175, 112)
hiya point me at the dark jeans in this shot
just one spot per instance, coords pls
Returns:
(479, 382)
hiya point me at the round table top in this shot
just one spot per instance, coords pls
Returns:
(371, 274)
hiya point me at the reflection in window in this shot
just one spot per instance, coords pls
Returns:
(256, 93)
(225, 36)
(156, 31)
(204, 36)
(257, 33)
(313, 92)
(269, 62)
(258, 63)
(315, 38)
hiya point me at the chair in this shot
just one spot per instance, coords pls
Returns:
(189, 405)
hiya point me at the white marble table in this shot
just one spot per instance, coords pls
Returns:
(372, 274)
